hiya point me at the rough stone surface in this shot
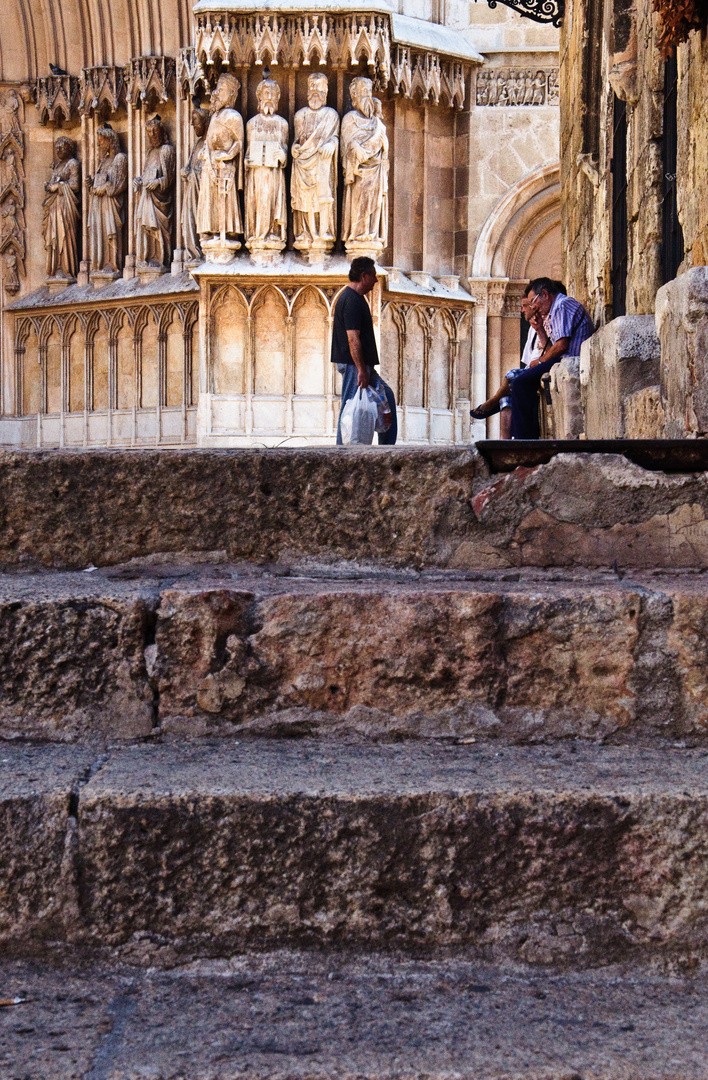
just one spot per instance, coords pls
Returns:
(682, 324)
(619, 360)
(568, 420)
(38, 894)
(298, 1015)
(573, 856)
(72, 662)
(521, 656)
(428, 508)
(644, 414)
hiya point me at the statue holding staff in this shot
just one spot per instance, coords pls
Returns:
(313, 185)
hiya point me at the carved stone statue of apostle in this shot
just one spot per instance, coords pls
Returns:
(60, 220)
(219, 220)
(266, 157)
(107, 204)
(191, 175)
(155, 204)
(365, 167)
(313, 184)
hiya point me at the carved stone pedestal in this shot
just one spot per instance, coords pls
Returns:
(372, 248)
(266, 252)
(58, 284)
(147, 272)
(99, 278)
(129, 268)
(314, 252)
(220, 252)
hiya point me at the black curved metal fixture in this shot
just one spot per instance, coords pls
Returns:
(542, 11)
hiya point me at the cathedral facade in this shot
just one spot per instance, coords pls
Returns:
(183, 187)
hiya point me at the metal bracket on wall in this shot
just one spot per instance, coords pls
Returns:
(542, 11)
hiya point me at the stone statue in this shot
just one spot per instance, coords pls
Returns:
(218, 210)
(266, 157)
(154, 209)
(365, 167)
(191, 174)
(60, 221)
(107, 204)
(313, 184)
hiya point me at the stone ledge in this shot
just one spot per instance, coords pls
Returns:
(575, 856)
(374, 507)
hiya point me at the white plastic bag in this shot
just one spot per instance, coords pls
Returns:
(359, 416)
(384, 417)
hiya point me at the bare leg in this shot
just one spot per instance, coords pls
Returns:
(491, 405)
(505, 423)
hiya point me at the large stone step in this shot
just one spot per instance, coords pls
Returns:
(375, 506)
(574, 856)
(294, 1015)
(178, 649)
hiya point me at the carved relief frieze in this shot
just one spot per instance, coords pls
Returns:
(56, 98)
(12, 190)
(437, 80)
(294, 40)
(102, 89)
(517, 86)
(149, 77)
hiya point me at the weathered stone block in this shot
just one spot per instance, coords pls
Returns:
(72, 666)
(565, 398)
(644, 414)
(575, 856)
(619, 360)
(682, 324)
(38, 889)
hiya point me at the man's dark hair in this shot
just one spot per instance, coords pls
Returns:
(560, 288)
(360, 266)
(540, 283)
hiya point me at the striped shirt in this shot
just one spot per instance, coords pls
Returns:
(568, 319)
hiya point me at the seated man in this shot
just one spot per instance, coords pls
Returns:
(568, 325)
(500, 401)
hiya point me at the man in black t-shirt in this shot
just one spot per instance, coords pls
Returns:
(354, 343)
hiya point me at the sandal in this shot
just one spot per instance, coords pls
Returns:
(483, 414)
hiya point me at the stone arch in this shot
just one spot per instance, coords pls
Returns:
(98, 340)
(310, 341)
(228, 342)
(76, 343)
(126, 375)
(270, 341)
(149, 374)
(31, 373)
(510, 232)
(52, 348)
(175, 356)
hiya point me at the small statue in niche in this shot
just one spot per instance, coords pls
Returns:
(218, 211)
(153, 213)
(191, 174)
(107, 204)
(60, 221)
(12, 278)
(313, 185)
(266, 157)
(365, 166)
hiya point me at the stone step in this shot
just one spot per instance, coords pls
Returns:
(338, 1018)
(175, 649)
(575, 856)
(388, 507)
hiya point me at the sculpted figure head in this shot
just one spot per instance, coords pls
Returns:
(267, 96)
(200, 119)
(226, 93)
(108, 141)
(361, 91)
(156, 131)
(317, 90)
(64, 148)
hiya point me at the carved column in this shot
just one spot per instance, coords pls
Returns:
(496, 292)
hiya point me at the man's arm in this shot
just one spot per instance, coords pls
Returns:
(553, 351)
(354, 339)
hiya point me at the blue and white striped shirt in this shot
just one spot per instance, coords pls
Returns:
(568, 318)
